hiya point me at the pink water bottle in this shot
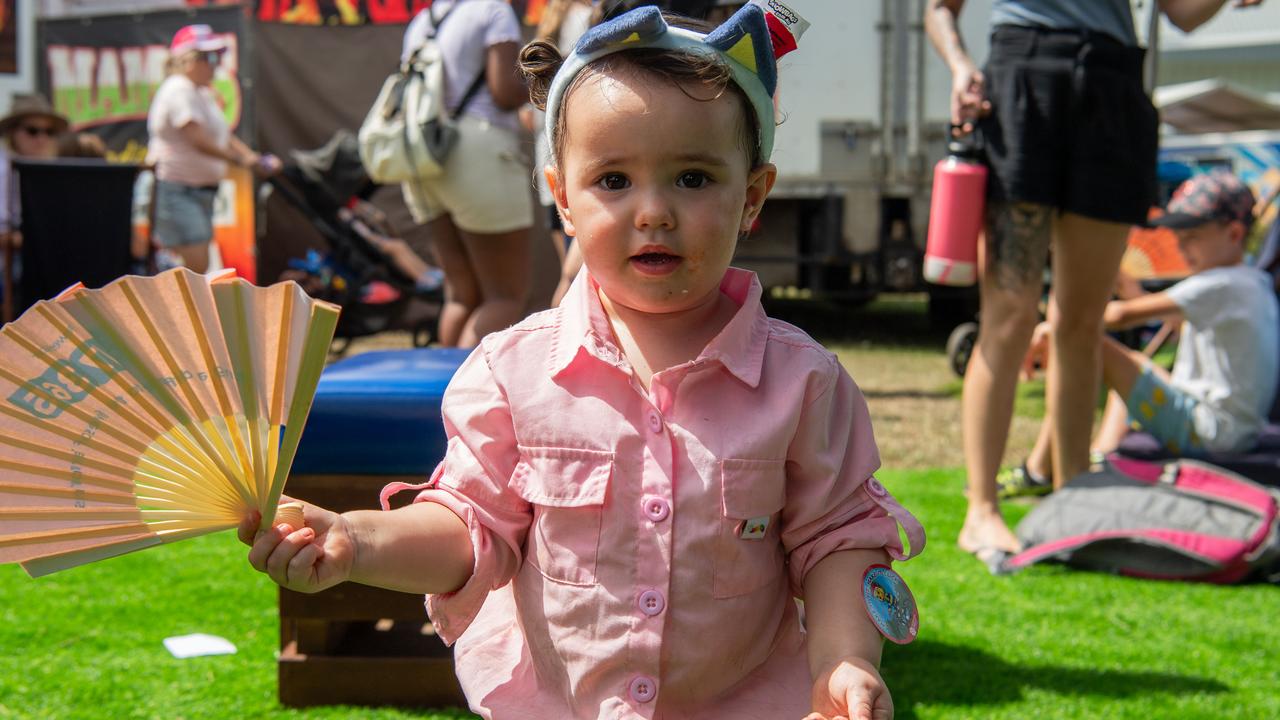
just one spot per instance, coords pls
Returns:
(955, 217)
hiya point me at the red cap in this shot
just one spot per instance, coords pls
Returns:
(195, 37)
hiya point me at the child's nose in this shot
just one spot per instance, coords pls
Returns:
(654, 211)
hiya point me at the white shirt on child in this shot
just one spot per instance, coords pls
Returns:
(1229, 352)
(637, 552)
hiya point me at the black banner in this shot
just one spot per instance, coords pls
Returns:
(101, 72)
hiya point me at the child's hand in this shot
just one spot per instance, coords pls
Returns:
(307, 559)
(1037, 357)
(852, 689)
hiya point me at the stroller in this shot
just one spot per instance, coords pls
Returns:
(375, 293)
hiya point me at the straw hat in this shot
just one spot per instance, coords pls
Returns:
(31, 105)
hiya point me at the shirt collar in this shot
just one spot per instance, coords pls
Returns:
(583, 327)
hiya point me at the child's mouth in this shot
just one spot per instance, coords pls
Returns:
(655, 263)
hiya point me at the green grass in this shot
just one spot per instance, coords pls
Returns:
(1047, 643)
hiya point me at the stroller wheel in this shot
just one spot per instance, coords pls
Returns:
(960, 346)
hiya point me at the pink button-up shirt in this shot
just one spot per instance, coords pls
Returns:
(637, 553)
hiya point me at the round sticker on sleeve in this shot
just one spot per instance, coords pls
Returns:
(890, 604)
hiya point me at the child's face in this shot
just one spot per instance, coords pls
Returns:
(656, 187)
(1213, 244)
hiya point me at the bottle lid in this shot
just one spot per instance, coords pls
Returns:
(965, 148)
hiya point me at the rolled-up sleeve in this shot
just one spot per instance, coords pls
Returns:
(472, 481)
(833, 501)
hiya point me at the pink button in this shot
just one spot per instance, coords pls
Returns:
(656, 509)
(655, 422)
(643, 689)
(875, 488)
(651, 602)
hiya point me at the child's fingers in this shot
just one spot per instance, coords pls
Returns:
(264, 544)
(248, 527)
(277, 562)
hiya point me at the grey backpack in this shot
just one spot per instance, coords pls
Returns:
(1184, 520)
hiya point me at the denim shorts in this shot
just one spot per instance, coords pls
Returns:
(184, 214)
(1166, 412)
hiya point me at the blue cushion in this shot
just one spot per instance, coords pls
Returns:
(378, 413)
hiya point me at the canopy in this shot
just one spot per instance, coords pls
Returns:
(1204, 106)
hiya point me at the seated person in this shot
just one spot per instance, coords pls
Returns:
(1228, 360)
(426, 277)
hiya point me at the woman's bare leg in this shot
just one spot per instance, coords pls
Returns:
(501, 264)
(194, 257)
(461, 288)
(1012, 279)
(1086, 257)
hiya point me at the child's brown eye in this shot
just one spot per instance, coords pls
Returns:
(614, 181)
(692, 180)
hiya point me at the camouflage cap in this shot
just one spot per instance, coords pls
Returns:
(1217, 195)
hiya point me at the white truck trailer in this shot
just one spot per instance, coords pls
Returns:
(864, 105)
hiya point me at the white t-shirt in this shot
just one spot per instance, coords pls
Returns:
(1229, 352)
(177, 102)
(465, 38)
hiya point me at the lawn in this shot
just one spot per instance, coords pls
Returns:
(1047, 643)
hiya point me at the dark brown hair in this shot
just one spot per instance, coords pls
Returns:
(540, 60)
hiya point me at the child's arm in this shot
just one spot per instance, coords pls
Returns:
(844, 647)
(1124, 314)
(422, 548)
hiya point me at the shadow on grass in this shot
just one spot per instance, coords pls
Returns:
(936, 673)
(896, 321)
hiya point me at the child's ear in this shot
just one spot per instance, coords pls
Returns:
(759, 182)
(556, 183)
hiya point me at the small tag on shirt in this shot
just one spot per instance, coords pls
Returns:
(755, 528)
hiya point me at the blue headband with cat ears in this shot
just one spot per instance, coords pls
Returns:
(742, 42)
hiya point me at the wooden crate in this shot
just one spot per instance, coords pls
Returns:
(357, 645)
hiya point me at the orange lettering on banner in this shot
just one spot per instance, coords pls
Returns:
(345, 12)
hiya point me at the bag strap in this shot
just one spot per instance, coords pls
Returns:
(475, 84)
(471, 93)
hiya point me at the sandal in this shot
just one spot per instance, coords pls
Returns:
(1021, 482)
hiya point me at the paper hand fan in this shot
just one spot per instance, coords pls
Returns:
(151, 410)
(1153, 253)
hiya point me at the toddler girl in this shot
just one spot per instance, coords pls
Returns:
(640, 482)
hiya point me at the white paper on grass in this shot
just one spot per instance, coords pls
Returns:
(198, 645)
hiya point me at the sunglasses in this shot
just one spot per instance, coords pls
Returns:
(37, 131)
(213, 57)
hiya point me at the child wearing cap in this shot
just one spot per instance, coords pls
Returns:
(640, 482)
(1225, 372)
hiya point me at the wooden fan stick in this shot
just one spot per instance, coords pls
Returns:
(215, 374)
(324, 320)
(234, 315)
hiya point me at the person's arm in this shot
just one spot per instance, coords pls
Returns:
(968, 97)
(201, 140)
(1187, 15)
(502, 74)
(1124, 314)
(422, 548)
(844, 647)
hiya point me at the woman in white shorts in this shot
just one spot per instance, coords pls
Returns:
(480, 210)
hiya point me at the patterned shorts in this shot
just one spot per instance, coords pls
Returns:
(1166, 412)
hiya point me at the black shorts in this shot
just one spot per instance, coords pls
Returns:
(1070, 125)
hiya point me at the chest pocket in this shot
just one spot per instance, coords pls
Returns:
(752, 493)
(567, 488)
